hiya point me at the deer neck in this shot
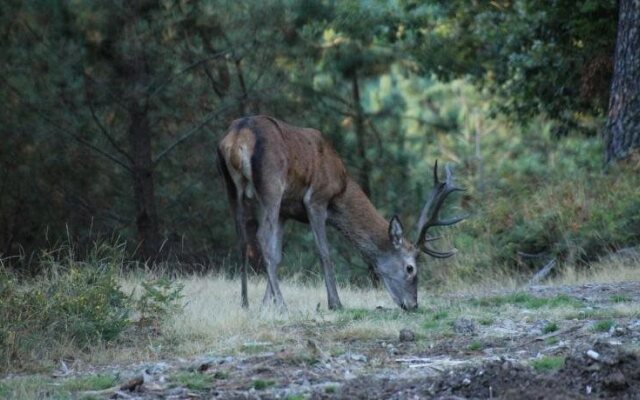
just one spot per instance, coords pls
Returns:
(353, 215)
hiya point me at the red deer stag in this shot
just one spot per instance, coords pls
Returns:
(274, 171)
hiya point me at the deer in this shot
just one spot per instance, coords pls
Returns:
(274, 172)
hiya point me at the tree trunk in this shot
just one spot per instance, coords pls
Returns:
(365, 167)
(143, 188)
(622, 131)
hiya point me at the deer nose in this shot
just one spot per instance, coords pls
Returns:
(409, 305)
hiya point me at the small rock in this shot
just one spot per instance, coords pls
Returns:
(615, 381)
(464, 326)
(157, 368)
(593, 355)
(359, 357)
(466, 381)
(407, 335)
(619, 331)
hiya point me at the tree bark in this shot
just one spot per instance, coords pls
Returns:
(622, 131)
(365, 167)
(143, 186)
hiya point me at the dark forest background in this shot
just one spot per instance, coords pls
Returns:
(111, 111)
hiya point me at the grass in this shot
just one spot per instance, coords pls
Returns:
(620, 298)
(548, 363)
(475, 346)
(529, 301)
(92, 382)
(603, 326)
(42, 387)
(211, 320)
(192, 380)
(260, 384)
(550, 327)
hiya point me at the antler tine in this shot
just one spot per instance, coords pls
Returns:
(429, 215)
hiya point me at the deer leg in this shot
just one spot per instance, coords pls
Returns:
(317, 215)
(238, 212)
(270, 240)
(269, 295)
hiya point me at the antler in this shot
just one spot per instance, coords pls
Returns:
(429, 215)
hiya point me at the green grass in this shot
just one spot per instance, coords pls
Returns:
(94, 382)
(221, 375)
(603, 326)
(548, 363)
(192, 380)
(260, 384)
(552, 340)
(475, 346)
(620, 298)
(40, 387)
(526, 300)
(550, 327)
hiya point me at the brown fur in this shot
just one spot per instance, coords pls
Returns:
(305, 159)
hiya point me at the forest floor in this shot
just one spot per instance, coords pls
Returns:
(557, 341)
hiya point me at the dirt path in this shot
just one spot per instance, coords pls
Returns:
(545, 342)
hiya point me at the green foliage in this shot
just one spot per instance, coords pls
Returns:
(620, 298)
(159, 299)
(539, 57)
(550, 327)
(93, 382)
(603, 326)
(260, 384)
(487, 86)
(548, 363)
(529, 301)
(192, 380)
(436, 321)
(475, 346)
(73, 303)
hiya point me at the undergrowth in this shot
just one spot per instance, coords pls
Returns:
(75, 305)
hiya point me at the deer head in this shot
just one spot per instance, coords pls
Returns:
(397, 265)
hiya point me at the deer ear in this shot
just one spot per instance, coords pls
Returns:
(396, 232)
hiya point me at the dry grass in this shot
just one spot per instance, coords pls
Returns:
(212, 320)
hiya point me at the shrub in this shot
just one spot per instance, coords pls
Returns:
(68, 303)
(73, 304)
(159, 299)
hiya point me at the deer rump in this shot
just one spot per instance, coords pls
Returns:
(263, 159)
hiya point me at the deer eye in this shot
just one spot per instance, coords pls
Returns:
(410, 269)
